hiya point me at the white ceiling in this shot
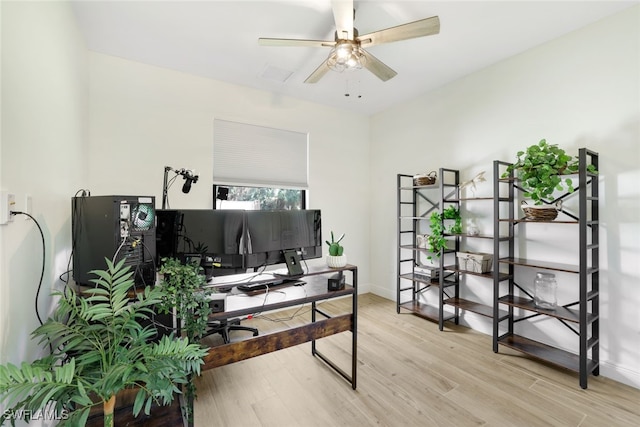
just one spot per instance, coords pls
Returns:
(219, 40)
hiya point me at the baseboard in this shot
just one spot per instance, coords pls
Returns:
(620, 374)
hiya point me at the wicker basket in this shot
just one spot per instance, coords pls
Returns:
(475, 262)
(425, 178)
(541, 213)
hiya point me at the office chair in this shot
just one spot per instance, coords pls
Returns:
(223, 327)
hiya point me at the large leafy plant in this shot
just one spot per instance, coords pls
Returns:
(540, 169)
(99, 348)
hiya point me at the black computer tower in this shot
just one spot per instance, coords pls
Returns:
(114, 227)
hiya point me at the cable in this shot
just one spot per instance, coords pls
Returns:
(43, 261)
(169, 184)
(282, 319)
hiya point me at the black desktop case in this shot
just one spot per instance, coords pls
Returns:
(101, 227)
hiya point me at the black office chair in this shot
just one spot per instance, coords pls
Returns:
(223, 327)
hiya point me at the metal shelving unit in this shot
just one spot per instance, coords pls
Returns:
(416, 294)
(581, 316)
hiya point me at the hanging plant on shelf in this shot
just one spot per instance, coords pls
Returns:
(540, 169)
(436, 240)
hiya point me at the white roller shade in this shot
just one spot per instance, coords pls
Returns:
(245, 154)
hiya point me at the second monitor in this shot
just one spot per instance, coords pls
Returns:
(269, 234)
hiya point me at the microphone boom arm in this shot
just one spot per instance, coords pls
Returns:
(189, 177)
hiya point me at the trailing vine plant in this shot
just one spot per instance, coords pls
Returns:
(436, 240)
(184, 291)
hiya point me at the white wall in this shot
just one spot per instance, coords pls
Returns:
(44, 123)
(144, 118)
(581, 90)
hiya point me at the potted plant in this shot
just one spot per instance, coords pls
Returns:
(184, 294)
(100, 348)
(436, 241)
(540, 168)
(336, 257)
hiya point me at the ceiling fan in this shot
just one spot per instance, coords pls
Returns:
(347, 51)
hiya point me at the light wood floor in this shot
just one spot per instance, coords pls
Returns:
(409, 374)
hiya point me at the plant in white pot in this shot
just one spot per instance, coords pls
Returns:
(336, 257)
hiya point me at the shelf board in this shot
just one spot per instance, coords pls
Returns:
(477, 236)
(545, 352)
(413, 248)
(567, 268)
(413, 278)
(425, 311)
(419, 187)
(560, 312)
(488, 275)
(481, 309)
(467, 199)
(523, 219)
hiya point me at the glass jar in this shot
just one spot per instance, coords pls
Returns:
(545, 288)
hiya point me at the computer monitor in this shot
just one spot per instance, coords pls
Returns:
(270, 233)
(188, 233)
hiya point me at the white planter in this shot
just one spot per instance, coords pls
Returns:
(336, 261)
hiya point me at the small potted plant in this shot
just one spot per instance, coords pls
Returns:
(336, 257)
(436, 240)
(540, 169)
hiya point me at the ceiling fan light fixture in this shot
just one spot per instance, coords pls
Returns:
(346, 55)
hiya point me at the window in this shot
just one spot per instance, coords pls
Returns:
(256, 167)
(258, 198)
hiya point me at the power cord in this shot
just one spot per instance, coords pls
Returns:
(43, 260)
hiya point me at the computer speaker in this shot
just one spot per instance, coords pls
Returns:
(217, 302)
(335, 282)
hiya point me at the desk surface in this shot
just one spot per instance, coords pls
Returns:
(281, 296)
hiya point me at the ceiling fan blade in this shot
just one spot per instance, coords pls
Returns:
(421, 28)
(318, 73)
(377, 67)
(262, 41)
(343, 15)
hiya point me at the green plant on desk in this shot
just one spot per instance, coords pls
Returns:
(99, 349)
(335, 248)
(183, 290)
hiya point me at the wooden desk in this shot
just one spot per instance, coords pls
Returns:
(321, 324)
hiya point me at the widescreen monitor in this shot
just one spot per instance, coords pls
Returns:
(216, 234)
(270, 233)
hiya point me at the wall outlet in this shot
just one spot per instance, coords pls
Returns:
(7, 204)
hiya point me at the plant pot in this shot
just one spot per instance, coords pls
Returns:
(541, 212)
(337, 261)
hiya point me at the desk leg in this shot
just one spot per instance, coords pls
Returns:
(313, 320)
(354, 333)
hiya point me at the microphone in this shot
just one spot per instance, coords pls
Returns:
(189, 178)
